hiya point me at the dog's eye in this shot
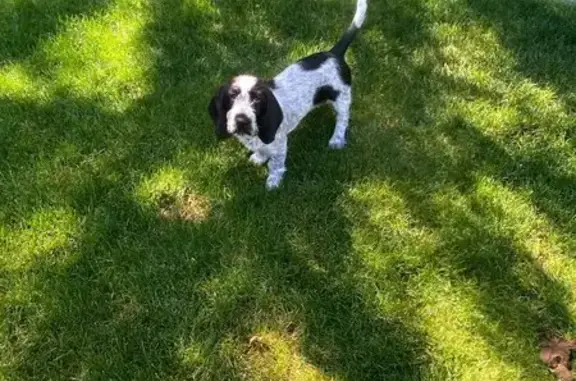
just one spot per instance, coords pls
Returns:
(256, 97)
(234, 92)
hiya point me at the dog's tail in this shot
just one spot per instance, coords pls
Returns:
(342, 46)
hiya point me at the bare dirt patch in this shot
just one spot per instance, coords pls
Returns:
(187, 206)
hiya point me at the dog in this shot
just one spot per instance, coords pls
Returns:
(261, 114)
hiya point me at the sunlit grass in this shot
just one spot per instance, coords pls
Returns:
(438, 246)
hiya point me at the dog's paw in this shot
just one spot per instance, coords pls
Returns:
(337, 143)
(274, 180)
(258, 159)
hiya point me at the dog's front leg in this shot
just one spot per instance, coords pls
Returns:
(259, 158)
(277, 165)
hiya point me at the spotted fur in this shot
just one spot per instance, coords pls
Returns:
(261, 114)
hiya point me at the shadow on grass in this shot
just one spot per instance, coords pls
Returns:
(141, 289)
(541, 34)
(475, 244)
(148, 298)
(23, 23)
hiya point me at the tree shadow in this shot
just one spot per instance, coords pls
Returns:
(542, 36)
(512, 289)
(142, 290)
(151, 298)
(307, 257)
(24, 23)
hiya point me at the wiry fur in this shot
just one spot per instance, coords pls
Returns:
(262, 114)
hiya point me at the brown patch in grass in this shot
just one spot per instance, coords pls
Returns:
(188, 206)
(277, 356)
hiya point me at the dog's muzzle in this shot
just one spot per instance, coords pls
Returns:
(243, 124)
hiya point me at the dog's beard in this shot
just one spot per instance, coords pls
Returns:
(243, 109)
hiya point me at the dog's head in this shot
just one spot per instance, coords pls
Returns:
(246, 106)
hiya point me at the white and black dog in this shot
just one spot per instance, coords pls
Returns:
(261, 113)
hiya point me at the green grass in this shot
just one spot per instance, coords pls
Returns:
(440, 245)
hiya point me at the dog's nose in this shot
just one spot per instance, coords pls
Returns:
(242, 123)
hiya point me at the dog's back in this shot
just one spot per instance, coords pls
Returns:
(308, 83)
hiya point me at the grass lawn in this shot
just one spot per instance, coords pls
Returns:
(439, 245)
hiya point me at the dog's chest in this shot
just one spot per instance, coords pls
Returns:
(253, 143)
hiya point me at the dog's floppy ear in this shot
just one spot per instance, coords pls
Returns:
(218, 108)
(270, 116)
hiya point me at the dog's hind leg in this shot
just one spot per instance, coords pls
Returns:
(342, 108)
